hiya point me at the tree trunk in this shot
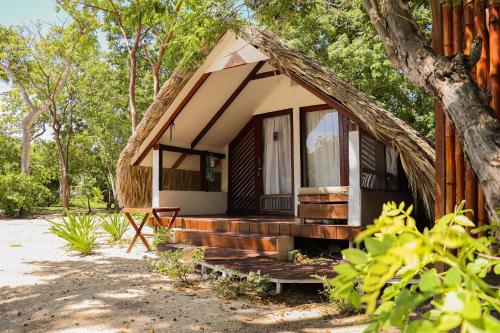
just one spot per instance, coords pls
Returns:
(131, 91)
(26, 146)
(64, 179)
(450, 82)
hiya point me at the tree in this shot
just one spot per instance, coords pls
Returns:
(29, 61)
(449, 81)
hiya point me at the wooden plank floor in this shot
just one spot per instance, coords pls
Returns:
(246, 261)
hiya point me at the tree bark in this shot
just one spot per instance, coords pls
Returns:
(450, 82)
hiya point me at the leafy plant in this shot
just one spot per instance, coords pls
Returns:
(78, 230)
(396, 250)
(114, 225)
(337, 304)
(162, 235)
(232, 285)
(176, 264)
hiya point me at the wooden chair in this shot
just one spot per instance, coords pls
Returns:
(156, 221)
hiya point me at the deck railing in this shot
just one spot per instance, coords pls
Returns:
(277, 203)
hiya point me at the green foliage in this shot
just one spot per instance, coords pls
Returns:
(176, 264)
(22, 194)
(396, 249)
(78, 230)
(231, 285)
(163, 235)
(114, 225)
(337, 304)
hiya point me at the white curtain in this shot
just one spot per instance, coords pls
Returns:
(322, 148)
(277, 169)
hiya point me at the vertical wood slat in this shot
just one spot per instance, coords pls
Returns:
(437, 45)
(459, 154)
(470, 179)
(494, 75)
(447, 12)
(481, 77)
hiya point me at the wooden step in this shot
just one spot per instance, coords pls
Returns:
(252, 242)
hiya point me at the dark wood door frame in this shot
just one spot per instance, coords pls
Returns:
(343, 143)
(259, 119)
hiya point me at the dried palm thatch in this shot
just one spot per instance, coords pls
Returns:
(417, 156)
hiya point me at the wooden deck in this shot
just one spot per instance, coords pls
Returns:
(242, 262)
(266, 226)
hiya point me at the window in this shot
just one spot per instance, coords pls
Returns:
(379, 165)
(321, 148)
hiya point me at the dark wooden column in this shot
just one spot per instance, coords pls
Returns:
(160, 167)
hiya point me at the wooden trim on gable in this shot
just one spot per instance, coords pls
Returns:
(227, 103)
(172, 118)
(330, 101)
(264, 75)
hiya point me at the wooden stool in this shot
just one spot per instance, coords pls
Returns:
(156, 221)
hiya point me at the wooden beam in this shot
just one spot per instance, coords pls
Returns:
(179, 161)
(334, 104)
(227, 103)
(189, 151)
(264, 75)
(174, 115)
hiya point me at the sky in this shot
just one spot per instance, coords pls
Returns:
(19, 12)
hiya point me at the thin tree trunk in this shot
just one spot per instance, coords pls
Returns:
(450, 82)
(131, 91)
(64, 180)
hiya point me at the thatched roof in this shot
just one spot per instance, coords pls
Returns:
(417, 156)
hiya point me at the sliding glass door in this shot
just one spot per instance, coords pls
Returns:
(277, 185)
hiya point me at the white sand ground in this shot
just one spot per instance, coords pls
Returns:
(45, 288)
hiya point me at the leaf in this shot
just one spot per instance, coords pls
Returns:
(429, 281)
(345, 269)
(496, 269)
(463, 221)
(448, 322)
(472, 309)
(453, 278)
(377, 247)
(452, 303)
(356, 256)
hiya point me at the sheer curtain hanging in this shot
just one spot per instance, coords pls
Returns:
(323, 149)
(277, 169)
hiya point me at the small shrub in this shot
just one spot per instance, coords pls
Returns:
(21, 194)
(232, 286)
(336, 304)
(114, 225)
(78, 230)
(162, 235)
(296, 256)
(175, 264)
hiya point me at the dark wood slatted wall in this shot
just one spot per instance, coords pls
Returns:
(243, 171)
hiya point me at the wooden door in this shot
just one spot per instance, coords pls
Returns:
(244, 185)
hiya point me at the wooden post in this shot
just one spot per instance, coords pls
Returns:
(494, 25)
(470, 179)
(160, 168)
(437, 45)
(450, 173)
(459, 154)
(203, 172)
(482, 74)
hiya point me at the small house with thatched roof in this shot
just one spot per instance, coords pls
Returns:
(259, 133)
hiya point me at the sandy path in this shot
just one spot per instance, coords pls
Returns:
(43, 288)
